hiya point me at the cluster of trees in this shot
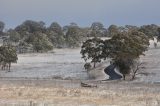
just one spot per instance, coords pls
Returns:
(37, 37)
(150, 31)
(8, 55)
(123, 49)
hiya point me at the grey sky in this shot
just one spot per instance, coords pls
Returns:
(83, 12)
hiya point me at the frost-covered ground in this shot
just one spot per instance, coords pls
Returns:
(151, 65)
(67, 64)
(63, 63)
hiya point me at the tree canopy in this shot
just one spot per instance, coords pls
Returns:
(1, 26)
(123, 48)
(92, 50)
(8, 55)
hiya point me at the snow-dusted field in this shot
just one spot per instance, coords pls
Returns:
(63, 63)
(67, 64)
(151, 65)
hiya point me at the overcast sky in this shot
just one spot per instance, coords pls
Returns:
(83, 12)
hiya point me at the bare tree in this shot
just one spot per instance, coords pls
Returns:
(135, 68)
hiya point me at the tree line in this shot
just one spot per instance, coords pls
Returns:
(35, 36)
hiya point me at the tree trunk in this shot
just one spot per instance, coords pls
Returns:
(135, 71)
(134, 75)
(124, 77)
(3, 66)
(94, 64)
(9, 66)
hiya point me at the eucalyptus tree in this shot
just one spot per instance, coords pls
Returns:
(125, 47)
(13, 36)
(73, 36)
(113, 30)
(56, 35)
(150, 30)
(158, 37)
(131, 27)
(34, 33)
(40, 42)
(92, 50)
(31, 26)
(97, 30)
(2, 25)
(8, 55)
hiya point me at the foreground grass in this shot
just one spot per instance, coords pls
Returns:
(70, 93)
